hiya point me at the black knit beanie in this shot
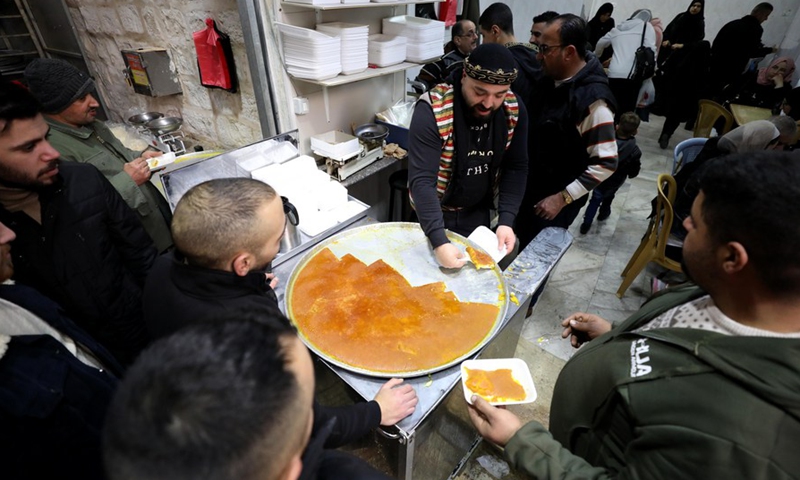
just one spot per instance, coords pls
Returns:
(56, 83)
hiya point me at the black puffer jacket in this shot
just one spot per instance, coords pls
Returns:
(90, 254)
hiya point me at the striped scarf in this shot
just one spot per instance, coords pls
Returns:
(441, 101)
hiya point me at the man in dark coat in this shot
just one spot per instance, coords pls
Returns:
(497, 26)
(572, 139)
(227, 232)
(230, 399)
(736, 43)
(55, 385)
(468, 146)
(77, 241)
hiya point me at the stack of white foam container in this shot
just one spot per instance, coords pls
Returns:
(386, 50)
(424, 37)
(321, 202)
(310, 54)
(354, 44)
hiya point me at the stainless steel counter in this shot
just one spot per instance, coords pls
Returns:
(525, 276)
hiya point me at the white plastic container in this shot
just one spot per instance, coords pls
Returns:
(413, 28)
(333, 196)
(386, 50)
(335, 144)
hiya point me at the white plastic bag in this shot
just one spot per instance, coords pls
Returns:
(647, 94)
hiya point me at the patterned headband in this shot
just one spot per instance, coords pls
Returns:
(494, 77)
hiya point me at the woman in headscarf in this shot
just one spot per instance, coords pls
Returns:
(767, 88)
(601, 24)
(750, 137)
(625, 40)
(678, 92)
(685, 30)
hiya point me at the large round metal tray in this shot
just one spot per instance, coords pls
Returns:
(406, 249)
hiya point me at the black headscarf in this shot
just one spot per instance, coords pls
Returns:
(687, 28)
(597, 28)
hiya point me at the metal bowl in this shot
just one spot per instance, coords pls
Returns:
(371, 132)
(143, 118)
(161, 126)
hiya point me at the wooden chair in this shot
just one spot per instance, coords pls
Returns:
(708, 115)
(654, 243)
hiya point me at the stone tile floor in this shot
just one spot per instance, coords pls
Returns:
(586, 280)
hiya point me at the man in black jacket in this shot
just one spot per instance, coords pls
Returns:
(468, 146)
(77, 241)
(55, 385)
(736, 43)
(230, 399)
(572, 146)
(497, 26)
(227, 232)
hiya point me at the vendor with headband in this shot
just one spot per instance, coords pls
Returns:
(467, 146)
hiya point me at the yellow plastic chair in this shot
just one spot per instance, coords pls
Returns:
(654, 243)
(708, 115)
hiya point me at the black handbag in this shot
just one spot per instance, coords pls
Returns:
(644, 63)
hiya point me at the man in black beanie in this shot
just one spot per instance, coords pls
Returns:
(468, 144)
(70, 109)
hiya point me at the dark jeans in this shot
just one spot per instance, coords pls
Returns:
(600, 200)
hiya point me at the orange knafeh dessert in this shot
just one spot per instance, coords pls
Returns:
(495, 385)
(370, 317)
(480, 259)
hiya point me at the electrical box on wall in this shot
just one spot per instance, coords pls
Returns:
(150, 72)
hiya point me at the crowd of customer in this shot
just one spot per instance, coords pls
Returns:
(154, 341)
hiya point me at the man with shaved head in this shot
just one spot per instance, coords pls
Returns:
(226, 232)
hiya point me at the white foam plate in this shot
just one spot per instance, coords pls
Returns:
(157, 163)
(487, 240)
(519, 372)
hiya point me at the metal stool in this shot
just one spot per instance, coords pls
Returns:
(398, 182)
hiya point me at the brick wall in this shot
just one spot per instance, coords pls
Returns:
(213, 118)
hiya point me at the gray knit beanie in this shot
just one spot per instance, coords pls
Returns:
(56, 83)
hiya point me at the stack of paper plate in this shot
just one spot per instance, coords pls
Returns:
(425, 37)
(309, 54)
(354, 44)
(385, 50)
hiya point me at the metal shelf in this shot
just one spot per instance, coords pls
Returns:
(342, 6)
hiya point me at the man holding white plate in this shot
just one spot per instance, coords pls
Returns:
(704, 380)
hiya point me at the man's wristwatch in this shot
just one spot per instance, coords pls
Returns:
(567, 197)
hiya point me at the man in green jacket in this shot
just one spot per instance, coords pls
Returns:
(703, 381)
(70, 110)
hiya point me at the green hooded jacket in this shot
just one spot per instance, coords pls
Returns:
(670, 403)
(96, 145)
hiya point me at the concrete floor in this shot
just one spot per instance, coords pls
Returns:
(585, 280)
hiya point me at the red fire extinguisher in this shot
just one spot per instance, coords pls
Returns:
(215, 58)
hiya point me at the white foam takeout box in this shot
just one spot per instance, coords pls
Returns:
(519, 372)
(324, 205)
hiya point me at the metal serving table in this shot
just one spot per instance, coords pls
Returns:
(434, 441)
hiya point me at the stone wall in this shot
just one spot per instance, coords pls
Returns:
(213, 118)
